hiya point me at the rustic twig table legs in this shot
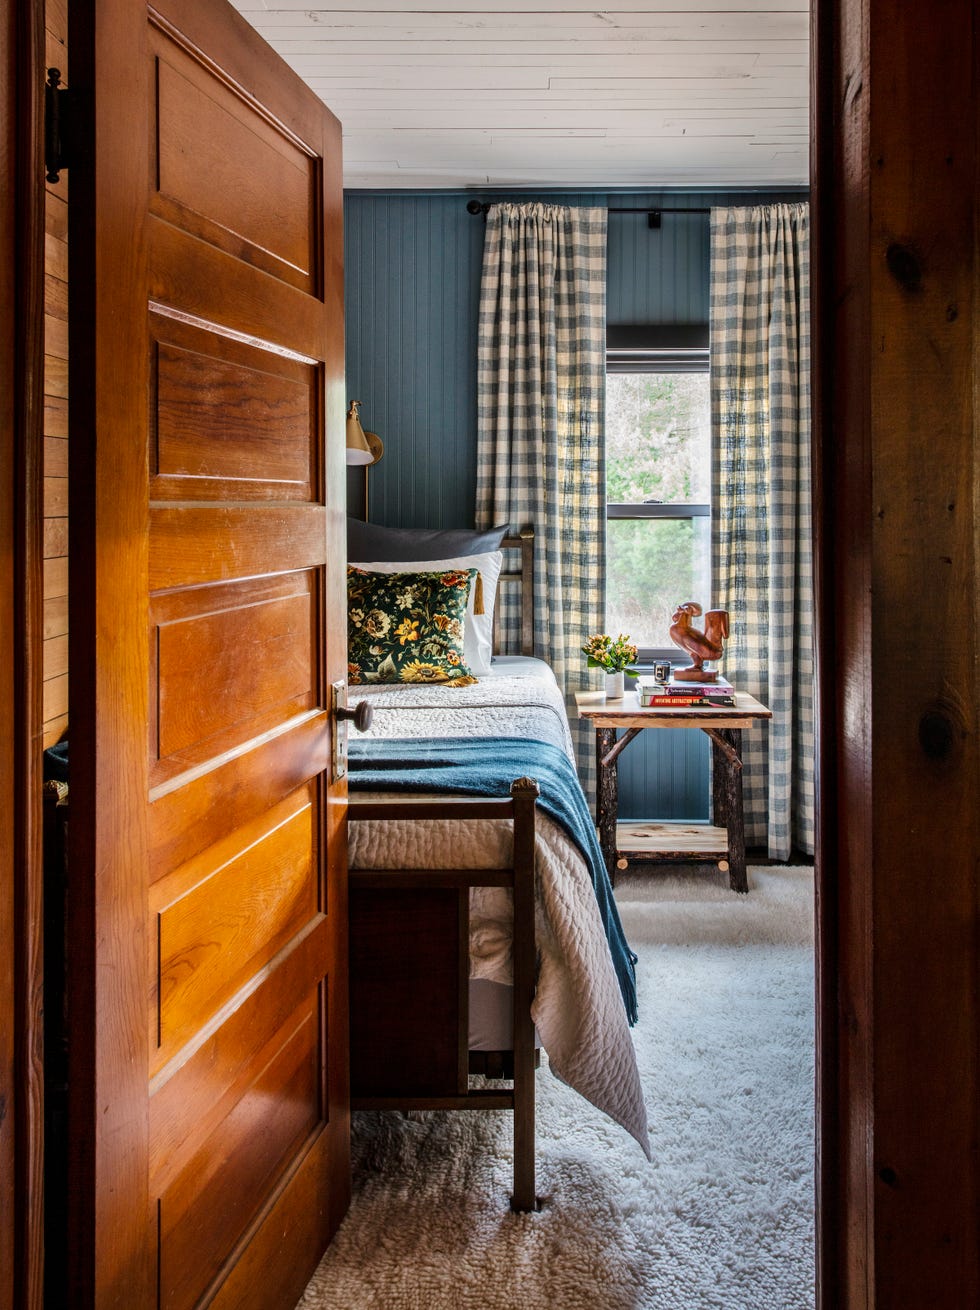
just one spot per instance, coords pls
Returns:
(726, 789)
(726, 746)
(607, 795)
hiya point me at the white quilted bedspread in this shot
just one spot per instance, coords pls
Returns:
(578, 1009)
(521, 698)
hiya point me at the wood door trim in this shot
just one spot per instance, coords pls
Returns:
(896, 190)
(108, 1129)
(21, 586)
(830, 1107)
(8, 612)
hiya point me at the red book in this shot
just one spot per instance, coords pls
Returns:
(648, 700)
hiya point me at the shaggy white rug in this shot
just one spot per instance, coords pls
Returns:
(722, 1219)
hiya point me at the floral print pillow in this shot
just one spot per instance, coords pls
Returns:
(407, 627)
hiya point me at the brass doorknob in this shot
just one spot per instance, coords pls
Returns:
(361, 715)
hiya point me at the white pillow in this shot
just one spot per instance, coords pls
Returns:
(477, 628)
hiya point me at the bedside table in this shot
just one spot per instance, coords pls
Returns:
(722, 842)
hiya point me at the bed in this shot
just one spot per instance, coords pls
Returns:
(479, 932)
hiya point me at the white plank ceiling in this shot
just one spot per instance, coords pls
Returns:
(460, 94)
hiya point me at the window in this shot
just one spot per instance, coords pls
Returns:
(658, 486)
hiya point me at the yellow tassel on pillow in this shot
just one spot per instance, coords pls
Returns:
(478, 594)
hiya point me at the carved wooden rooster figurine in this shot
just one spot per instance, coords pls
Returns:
(701, 646)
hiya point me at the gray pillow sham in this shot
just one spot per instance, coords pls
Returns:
(371, 541)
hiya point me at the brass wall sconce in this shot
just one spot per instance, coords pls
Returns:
(364, 448)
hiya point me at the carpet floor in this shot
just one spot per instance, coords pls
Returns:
(723, 1217)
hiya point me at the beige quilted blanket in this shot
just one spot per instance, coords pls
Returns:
(577, 1009)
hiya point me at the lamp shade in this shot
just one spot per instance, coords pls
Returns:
(358, 450)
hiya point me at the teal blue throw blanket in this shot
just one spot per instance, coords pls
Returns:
(486, 766)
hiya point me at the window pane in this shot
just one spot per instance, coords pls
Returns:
(658, 437)
(652, 565)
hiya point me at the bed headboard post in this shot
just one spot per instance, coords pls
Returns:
(524, 542)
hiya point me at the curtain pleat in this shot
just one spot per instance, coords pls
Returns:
(762, 559)
(541, 412)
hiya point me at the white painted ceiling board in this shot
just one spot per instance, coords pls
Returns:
(461, 94)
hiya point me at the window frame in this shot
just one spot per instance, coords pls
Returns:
(658, 349)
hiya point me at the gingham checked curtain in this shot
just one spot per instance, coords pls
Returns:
(761, 550)
(541, 379)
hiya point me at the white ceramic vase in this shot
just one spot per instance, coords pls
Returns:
(615, 685)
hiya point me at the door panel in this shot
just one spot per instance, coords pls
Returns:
(207, 1206)
(228, 920)
(210, 191)
(210, 847)
(193, 546)
(226, 1061)
(212, 804)
(220, 403)
(257, 641)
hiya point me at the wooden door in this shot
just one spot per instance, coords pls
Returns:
(208, 1118)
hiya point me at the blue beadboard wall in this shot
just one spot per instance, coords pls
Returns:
(412, 262)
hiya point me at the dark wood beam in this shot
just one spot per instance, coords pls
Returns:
(895, 188)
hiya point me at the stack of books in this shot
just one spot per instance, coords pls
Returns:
(677, 695)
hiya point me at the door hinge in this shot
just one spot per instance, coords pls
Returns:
(57, 126)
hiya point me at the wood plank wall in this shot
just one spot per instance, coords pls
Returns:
(56, 415)
(9, 755)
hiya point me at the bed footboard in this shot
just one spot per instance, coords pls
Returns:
(409, 974)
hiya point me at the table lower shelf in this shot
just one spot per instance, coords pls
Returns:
(677, 843)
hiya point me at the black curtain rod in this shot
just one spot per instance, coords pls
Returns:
(658, 209)
(652, 212)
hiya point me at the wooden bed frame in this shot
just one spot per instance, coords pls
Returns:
(409, 977)
(523, 577)
(409, 959)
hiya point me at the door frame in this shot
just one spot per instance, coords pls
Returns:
(21, 626)
(845, 1181)
(895, 195)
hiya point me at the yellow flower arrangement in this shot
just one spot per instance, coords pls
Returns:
(614, 655)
